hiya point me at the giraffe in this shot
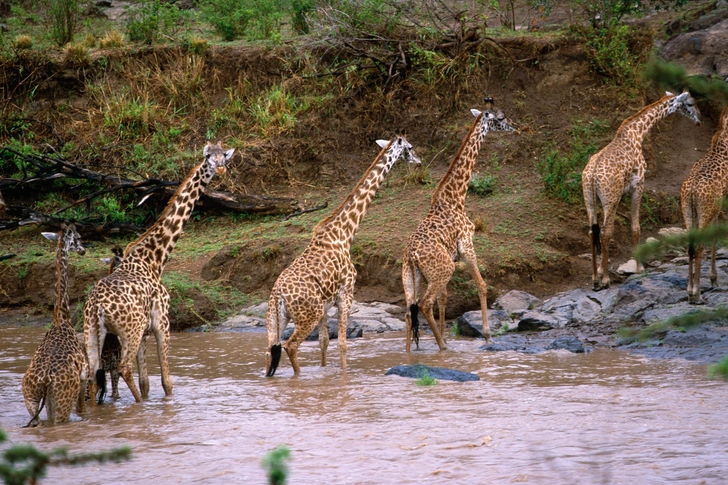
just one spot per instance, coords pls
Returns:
(132, 299)
(58, 373)
(701, 199)
(324, 275)
(446, 235)
(619, 168)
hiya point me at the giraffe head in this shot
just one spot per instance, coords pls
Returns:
(685, 105)
(115, 261)
(493, 119)
(400, 148)
(71, 238)
(215, 158)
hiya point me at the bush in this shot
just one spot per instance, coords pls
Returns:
(255, 19)
(64, 16)
(77, 54)
(561, 173)
(482, 185)
(23, 42)
(112, 39)
(152, 20)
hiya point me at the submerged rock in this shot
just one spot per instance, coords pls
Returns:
(441, 373)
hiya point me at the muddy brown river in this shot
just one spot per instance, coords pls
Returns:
(555, 418)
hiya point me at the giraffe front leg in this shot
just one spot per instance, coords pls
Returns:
(428, 302)
(344, 306)
(441, 302)
(323, 328)
(635, 200)
(141, 358)
(713, 272)
(467, 252)
(160, 327)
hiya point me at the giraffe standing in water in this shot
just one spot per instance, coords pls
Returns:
(701, 199)
(324, 275)
(619, 168)
(58, 373)
(132, 299)
(446, 234)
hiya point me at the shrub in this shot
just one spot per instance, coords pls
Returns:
(255, 19)
(77, 54)
(23, 42)
(112, 39)
(64, 16)
(482, 185)
(198, 46)
(561, 173)
(153, 19)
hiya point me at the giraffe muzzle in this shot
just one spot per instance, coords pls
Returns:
(221, 170)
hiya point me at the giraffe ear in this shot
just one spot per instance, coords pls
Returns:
(475, 112)
(106, 260)
(682, 96)
(382, 143)
(206, 151)
(51, 236)
(668, 93)
(229, 153)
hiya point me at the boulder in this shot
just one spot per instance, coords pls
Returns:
(702, 52)
(470, 324)
(516, 301)
(440, 373)
(572, 344)
(534, 320)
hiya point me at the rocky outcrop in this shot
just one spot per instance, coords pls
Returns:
(702, 52)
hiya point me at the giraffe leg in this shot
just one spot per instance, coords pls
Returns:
(694, 298)
(467, 252)
(635, 200)
(344, 305)
(128, 349)
(713, 272)
(323, 328)
(434, 288)
(92, 327)
(141, 358)
(610, 211)
(441, 303)
(160, 327)
(590, 201)
(65, 397)
(411, 279)
(301, 330)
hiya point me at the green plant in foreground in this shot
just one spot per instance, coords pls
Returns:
(23, 463)
(275, 465)
(425, 379)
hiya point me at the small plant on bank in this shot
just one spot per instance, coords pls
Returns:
(425, 379)
(275, 465)
(22, 42)
(419, 175)
(198, 46)
(76, 54)
(112, 39)
(482, 185)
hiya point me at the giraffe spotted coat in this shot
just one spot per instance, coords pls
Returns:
(446, 235)
(58, 372)
(323, 275)
(701, 199)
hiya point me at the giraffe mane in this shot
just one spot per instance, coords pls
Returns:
(165, 213)
(354, 190)
(457, 157)
(641, 112)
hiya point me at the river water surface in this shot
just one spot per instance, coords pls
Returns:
(555, 418)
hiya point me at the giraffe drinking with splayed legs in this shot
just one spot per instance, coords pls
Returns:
(446, 234)
(58, 373)
(619, 168)
(132, 299)
(701, 199)
(324, 275)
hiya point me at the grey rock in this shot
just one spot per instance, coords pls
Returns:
(515, 301)
(534, 320)
(702, 52)
(441, 373)
(511, 346)
(572, 344)
(470, 324)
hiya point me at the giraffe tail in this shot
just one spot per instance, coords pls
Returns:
(101, 383)
(596, 237)
(273, 324)
(414, 310)
(275, 358)
(34, 420)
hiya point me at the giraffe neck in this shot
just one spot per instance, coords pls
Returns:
(636, 126)
(339, 228)
(62, 312)
(155, 245)
(453, 187)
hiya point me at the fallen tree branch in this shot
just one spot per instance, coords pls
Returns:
(304, 211)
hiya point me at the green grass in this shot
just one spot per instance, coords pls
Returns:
(425, 380)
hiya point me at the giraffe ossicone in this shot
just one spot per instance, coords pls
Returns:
(619, 168)
(58, 372)
(324, 275)
(445, 235)
(131, 301)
